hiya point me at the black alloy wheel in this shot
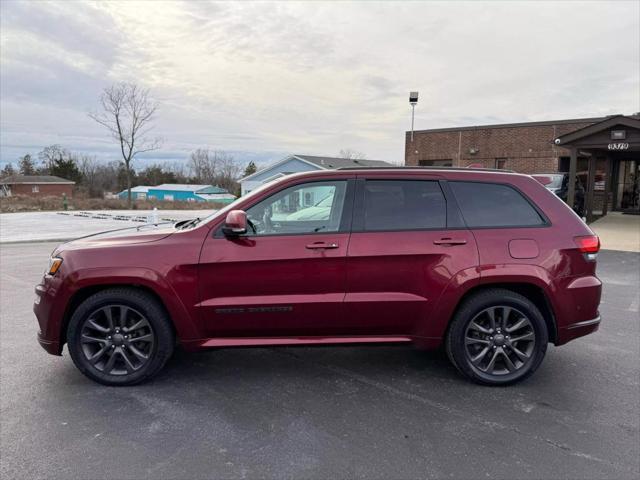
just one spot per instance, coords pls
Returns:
(117, 340)
(120, 336)
(499, 340)
(497, 337)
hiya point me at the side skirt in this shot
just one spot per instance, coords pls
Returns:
(266, 341)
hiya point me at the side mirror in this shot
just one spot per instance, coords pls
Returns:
(235, 223)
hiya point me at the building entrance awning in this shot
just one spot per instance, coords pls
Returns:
(614, 139)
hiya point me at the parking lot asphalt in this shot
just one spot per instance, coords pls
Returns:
(338, 412)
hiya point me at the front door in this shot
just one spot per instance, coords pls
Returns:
(287, 276)
(629, 186)
(406, 246)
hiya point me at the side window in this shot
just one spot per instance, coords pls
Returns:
(494, 205)
(306, 208)
(404, 205)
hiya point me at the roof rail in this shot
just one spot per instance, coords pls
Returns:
(421, 167)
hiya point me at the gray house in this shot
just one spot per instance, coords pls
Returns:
(302, 163)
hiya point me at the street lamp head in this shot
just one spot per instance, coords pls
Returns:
(413, 98)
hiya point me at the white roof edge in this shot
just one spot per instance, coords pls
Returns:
(38, 183)
(273, 177)
(280, 162)
(216, 195)
(182, 187)
(310, 163)
(139, 188)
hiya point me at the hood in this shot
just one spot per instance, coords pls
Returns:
(121, 236)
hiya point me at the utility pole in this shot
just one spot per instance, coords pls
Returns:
(413, 100)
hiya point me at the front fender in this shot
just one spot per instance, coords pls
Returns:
(147, 278)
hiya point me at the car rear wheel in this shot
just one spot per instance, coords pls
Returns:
(497, 337)
(120, 337)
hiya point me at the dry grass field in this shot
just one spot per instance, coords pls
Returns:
(22, 203)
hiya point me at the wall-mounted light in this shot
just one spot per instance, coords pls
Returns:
(618, 134)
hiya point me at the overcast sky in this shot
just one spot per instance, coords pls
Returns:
(267, 79)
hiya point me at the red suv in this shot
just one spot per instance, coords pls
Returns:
(489, 264)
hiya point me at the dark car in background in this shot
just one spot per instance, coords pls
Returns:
(558, 183)
(489, 265)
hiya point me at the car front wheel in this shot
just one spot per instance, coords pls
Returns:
(120, 337)
(497, 337)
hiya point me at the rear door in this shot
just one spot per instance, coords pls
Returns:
(408, 242)
(508, 227)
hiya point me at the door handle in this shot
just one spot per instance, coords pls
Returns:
(321, 245)
(450, 241)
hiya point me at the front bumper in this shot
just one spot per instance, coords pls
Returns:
(49, 313)
(50, 346)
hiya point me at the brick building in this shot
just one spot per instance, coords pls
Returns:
(523, 147)
(36, 186)
(610, 163)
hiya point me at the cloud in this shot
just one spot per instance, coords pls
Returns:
(266, 78)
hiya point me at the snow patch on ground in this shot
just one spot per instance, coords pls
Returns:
(41, 226)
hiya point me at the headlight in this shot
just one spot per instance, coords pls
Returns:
(54, 265)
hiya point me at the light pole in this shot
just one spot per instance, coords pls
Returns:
(413, 100)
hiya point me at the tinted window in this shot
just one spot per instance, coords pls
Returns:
(403, 205)
(493, 205)
(307, 208)
(550, 181)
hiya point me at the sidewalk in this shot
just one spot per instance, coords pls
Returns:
(59, 226)
(618, 232)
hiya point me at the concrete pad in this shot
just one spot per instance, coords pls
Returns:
(67, 225)
(618, 232)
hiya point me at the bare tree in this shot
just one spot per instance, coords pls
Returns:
(227, 172)
(178, 169)
(91, 180)
(202, 165)
(127, 111)
(215, 168)
(107, 177)
(49, 155)
(351, 154)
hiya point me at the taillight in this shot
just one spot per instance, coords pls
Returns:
(589, 245)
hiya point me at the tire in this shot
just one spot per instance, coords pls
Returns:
(509, 352)
(120, 336)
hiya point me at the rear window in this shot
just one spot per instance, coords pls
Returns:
(549, 181)
(403, 205)
(494, 205)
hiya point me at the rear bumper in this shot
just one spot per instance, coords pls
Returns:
(576, 307)
(579, 329)
(587, 323)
